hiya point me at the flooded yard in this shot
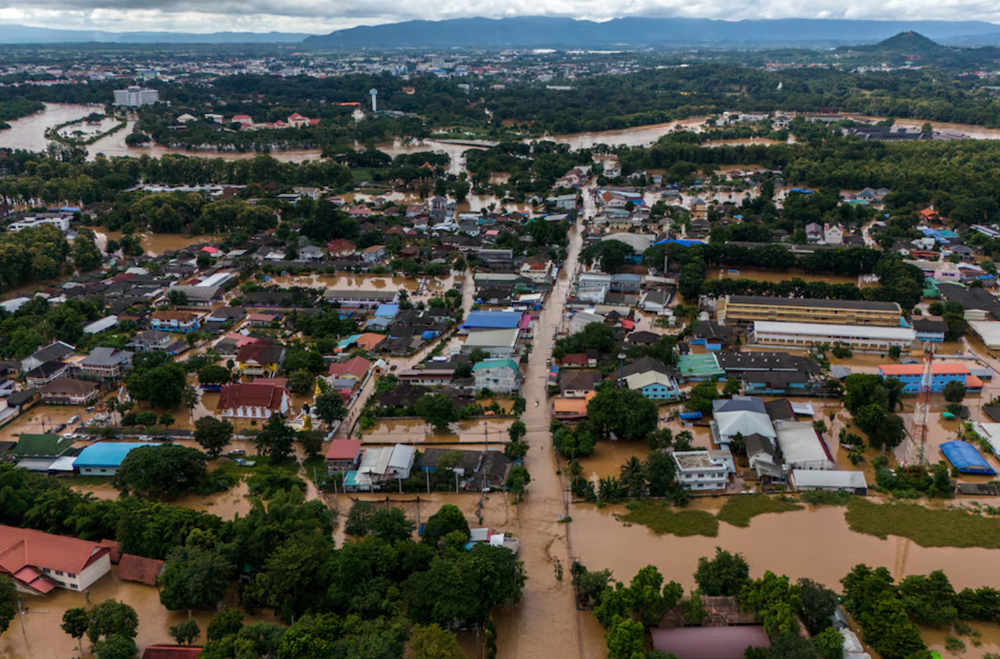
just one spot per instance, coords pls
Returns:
(417, 431)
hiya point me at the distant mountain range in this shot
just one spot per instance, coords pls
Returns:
(16, 34)
(546, 32)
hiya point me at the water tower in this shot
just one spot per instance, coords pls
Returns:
(374, 93)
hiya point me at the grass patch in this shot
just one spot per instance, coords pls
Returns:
(662, 519)
(84, 481)
(825, 498)
(740, 509)
(928, 527)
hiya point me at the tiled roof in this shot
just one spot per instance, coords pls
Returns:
(254, 394)
(137, 568)
(27, 547)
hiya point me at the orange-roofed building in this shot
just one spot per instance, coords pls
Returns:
(572, 409)
(40, 562)
(941, 374)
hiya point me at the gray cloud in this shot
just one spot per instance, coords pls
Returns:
(321, 16)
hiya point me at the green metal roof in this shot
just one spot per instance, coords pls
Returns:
(42, 445)
(495, 363)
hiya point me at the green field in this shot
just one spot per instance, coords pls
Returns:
(662, 518)
(928, 527)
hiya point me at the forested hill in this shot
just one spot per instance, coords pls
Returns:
(915, 48)
(540, 31)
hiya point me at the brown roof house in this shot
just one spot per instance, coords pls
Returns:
(254, 400)
(67, 391)
(139, 569)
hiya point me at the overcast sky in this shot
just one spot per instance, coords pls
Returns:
(323, 16)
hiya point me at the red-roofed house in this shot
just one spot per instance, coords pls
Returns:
(244, 119)
(340, 247)
(355, 368)
(343, 455)
(171, 652)
(40, 562)
(298, 121)
(254, 400)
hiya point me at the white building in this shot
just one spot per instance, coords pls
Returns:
(831, 480)
(740, 415)
(833, 234)
(858, 337)
(497, 375)
(704, 470)
(499, 344)
(582, 319)
(33, 222)
(939, 270)
(802, 447)
(135, 96)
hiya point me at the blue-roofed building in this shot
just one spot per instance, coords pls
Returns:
(491, 320)
(104, 458)
(966, 458)
(387, 311)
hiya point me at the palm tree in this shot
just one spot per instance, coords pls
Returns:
(632, 478)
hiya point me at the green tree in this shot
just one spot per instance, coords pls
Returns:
(954, 392)
(448, 519)
(111, 618)
(432, 642)
(700, 398)
(725, 574)
(733, 387)
(818, 604)
(167, 420)
(301, 382)
(626, 413)
(829, 643)
(391, 524)
(214, 374)
(437, 409)
(160, 472)
(650, 599)
(74, 622)
(185, 633)
(226, 622)
(8, 604)
(929, 599)
(518, 480)
(694, 610)
(519, 406)
(276, 438)
(517, 431)
(625, 640)
(86, 256)
(212, 434)
(774, 601)
(116, 646)
(330, 407)
(194, 578)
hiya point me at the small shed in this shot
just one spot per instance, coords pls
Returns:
(139, 569)
(831, 481)
(966, 458)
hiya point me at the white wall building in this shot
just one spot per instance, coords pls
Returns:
(135, 96)
(704, 470)
(858, 337)
(33, 222)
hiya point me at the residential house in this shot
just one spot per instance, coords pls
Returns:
(46, 373)
(183, 322)
(40, 562)
(51, 353)
(578, 384)
(355, 368)
(343, 455)
(499, 344)
(582, 319)
(537, 271)
(67, 391)
(361, 299)
(814, 232)
(140, 569)
(261, 359)
(255, 400)
(381, 466)
(106, 363)
(492, 320)
(427, 377)
(154, 341)
(340, 247)
(655, 301)
(740, 415)
(226, 315)
(374, 254)
(930, 328)
(562, 202)
(497, 375)
(654, 385)
(833, 234)
(704, 470)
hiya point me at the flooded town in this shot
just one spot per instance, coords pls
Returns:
(293, 374)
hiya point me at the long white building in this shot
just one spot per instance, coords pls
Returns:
(858, 337)
(135, 96)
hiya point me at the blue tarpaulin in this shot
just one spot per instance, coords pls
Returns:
(966, 458)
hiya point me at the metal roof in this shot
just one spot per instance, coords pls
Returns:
(106, 454)
(966, 458)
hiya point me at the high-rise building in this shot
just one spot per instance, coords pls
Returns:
(135, 96)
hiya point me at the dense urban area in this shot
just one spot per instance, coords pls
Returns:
(659, 354)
